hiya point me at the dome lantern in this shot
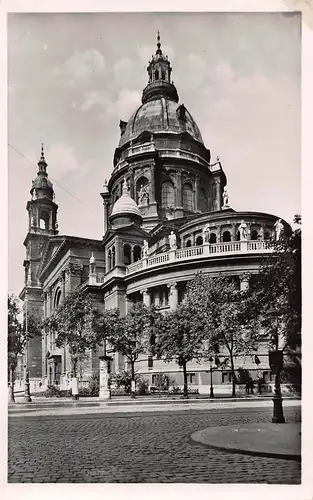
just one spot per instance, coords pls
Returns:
(159, 70)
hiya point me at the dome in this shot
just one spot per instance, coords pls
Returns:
(160, 115)
(125, 205)
(42, 183)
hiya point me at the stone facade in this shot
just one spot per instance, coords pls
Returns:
(167, 216)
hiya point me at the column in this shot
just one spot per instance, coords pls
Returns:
(197, 194)
(152, 182)
(233, 232)
(218, 193)
(173, 298)
(179, 201)
(146, 297)
(157, 300)
(218, 234)
(105, 216)
(261, 232)
(129, 304)
(244, 283)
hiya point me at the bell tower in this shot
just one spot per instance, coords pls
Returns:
(42, 217)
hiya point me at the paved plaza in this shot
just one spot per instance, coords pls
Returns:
(139, 447)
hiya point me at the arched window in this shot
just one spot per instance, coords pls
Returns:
(110, 259)
(57, 298)
(44, 220)
(127, 254)
(188, 244)
(156, 74)
(188, 197)
(199, 241)
(163, 75)
(238, 236)
(137, 253)
(267, 235)
(226, 236)
(212, 238)
(167, 194)
(254, 235)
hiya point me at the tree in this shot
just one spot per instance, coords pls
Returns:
(226, 312)
(18, 334)
(180, 335)
(72, 325)
(16, 340)
(130, 335)
(278, 285)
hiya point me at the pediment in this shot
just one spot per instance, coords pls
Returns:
(51, 248)
(129, 230)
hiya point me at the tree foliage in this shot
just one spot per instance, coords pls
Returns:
(226, 313)
(72, 324)
(278, 285)
(180, 335)
(16, 333)
(130, 335)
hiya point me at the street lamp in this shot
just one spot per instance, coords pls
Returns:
(276, 361)
(211, 360)
(27, 397)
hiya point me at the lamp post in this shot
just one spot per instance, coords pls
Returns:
(276, 361)
(27, 397)
(211, 377)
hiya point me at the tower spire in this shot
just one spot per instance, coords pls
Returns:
(159, 51)
(42, 164)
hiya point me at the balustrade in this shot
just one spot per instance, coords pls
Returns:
(206, 250)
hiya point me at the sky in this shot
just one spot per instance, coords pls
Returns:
(72, 77)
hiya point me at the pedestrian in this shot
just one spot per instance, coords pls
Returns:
(260, 385)
(251, 384)
(247, 387)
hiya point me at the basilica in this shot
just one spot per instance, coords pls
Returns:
(167, 216)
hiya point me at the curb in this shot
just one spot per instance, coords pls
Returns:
(296, 458)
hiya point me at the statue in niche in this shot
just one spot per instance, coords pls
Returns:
(143, 195)
(206, 234)
(172, 241)
(243, 231)
(145, 249)
(279, 229)
(225, 199)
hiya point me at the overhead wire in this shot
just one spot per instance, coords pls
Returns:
(55, 181)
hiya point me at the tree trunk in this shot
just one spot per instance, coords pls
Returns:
(233, 395)
(133, 382)
(185, 379)
(11, 387)
(74, 366)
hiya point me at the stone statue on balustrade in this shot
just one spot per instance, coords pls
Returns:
(172, 241)
(279, 229)
(92, 264)
(225, 199)
(145, 249)
(206, 234)
(243, 231)
(143, 196)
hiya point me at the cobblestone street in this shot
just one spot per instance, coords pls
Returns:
(141, 448)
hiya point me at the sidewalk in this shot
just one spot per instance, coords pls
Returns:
(71, 407)
(269, 440)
